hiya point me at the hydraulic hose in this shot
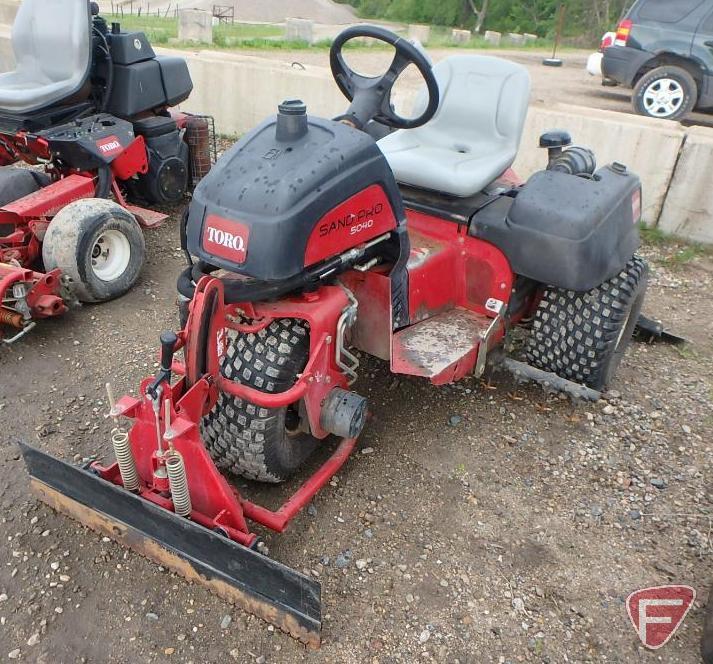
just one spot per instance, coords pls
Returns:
(249, 290)
(109, 81)
(103, 188)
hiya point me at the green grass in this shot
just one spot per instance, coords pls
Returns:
(158, 30)
(235, 36)
(266, 44)
(677, 251)
(228, 36)
(686, 254)
(686, 351)
(161, 30)
(231, 35)
(654, 236)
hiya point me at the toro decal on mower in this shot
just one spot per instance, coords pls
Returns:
(109, 146)
(226, 238)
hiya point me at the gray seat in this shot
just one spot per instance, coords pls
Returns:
(475, 134)
(52, 44)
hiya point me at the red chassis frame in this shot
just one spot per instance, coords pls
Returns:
(30, 217)
(476, 272)
(216, 504)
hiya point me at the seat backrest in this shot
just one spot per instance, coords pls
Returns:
(52, 40)
(484, 100)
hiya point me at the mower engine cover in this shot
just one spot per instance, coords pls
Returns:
(293, 192)
(166, 181)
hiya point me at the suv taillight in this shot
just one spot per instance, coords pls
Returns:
(622, 32)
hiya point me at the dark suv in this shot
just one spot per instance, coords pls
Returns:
(664, 50)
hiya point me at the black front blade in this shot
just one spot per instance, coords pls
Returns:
(283, 597)
(648, 329)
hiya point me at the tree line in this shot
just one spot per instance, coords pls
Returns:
(587, 18)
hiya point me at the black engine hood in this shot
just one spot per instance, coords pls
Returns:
(256, 209)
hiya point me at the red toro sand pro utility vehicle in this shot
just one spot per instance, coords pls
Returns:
(311, 240)
(89, 103)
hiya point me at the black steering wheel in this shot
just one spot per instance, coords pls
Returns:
(370, 97)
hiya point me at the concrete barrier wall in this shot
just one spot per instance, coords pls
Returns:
(8, 11)
(688, 209)
(240, 91)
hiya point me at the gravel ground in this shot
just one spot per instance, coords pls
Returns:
(476, 523)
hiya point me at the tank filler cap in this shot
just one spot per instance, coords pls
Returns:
(292, 107)
(291, 120)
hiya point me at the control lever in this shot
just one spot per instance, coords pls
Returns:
(168, 348)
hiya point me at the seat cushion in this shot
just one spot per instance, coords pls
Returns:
(51, 40)
(474, 136)
(452, 171)
(20, 92)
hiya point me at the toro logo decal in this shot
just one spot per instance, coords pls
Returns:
(656, 613)
(360, 218)
(109, 146)
(226, 238)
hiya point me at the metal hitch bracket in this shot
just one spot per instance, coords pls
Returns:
(279, 595)
(524, 372)
(498, 308)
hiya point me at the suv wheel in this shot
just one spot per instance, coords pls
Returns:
(666, 92)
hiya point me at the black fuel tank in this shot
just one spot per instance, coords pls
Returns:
(292, 192)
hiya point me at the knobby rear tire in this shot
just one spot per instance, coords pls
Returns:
(583, 336)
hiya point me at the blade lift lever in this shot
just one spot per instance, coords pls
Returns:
(168, 348)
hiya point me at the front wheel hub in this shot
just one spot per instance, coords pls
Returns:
(343, 413)
(111, 255)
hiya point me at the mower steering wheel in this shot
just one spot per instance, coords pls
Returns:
(370, 97)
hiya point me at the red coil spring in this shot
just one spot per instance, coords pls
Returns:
(11, 318)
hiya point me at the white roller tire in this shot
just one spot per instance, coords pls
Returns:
(99, 245)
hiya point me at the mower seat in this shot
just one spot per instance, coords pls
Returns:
(475, 134)
(51, 40)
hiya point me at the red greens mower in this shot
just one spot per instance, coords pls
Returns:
(89, 103)
(308, 240)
